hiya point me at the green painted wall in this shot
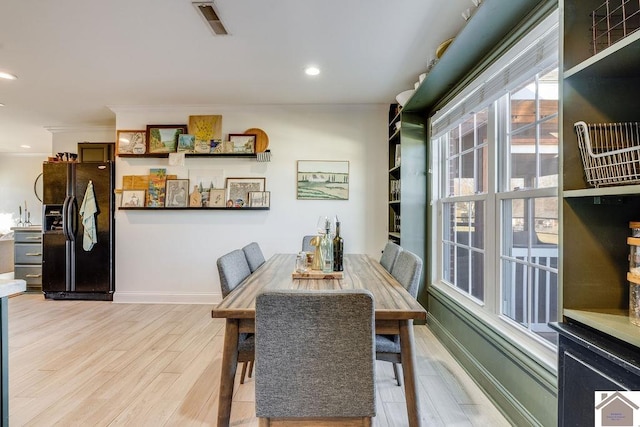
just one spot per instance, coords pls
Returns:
(521, 387)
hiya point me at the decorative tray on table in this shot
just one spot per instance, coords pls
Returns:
(317, 274)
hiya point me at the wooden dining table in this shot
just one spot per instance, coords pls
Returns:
(395, 310)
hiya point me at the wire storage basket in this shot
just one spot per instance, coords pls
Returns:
(610, 152)
(613, 20)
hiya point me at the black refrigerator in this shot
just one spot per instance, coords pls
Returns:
(69, 270)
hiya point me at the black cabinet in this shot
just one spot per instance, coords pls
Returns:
(590, 361)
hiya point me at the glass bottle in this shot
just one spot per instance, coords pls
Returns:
(326, 251)
(338, 249)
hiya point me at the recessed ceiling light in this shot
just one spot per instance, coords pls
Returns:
(1, 104)
(7, 76)
(25, 146)
(312, 71)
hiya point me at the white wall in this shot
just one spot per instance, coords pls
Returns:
(66, 138)
(18, 173)
(170, 256)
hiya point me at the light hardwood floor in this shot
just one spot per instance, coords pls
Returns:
(86, 363)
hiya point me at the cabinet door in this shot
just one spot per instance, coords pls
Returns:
(581, 374)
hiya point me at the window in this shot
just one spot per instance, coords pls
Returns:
(495, 179)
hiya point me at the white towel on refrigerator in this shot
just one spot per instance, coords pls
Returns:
(88, 210)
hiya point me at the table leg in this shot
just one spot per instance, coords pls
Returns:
(408, 359)
(228, 371)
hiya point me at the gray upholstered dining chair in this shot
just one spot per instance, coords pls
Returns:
(233, 268)
(389, 255)
(306, 244)
(327, 371)
(254, 256)
(406, 270)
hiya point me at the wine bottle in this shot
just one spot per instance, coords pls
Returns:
(326, 251)
(338, 249)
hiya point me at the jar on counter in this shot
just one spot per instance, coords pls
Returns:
(634, 299)
(634, 255)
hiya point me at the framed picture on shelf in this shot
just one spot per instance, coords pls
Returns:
(186, 143)
(177, 193)
(207, 131)
(131, 142)
(164, 138)
(238, 190)
(243, 143)
(323, 180)
(259, 199)
(217, 198)
(133, 198)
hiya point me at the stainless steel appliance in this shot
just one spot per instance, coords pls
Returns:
(68, 270)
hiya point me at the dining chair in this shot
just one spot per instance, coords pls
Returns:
(254, 256)
(233, 268)
(306, 244)
(315, 357)
(407, 270)
(389, 255)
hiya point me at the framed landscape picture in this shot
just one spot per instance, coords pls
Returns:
(238, 190)
(323, 180)
(243, 143)
(186, 143)
(164, 138)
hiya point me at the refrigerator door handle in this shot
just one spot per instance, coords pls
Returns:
(65, 217)
(73, 219)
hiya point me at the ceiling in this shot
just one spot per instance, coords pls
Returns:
(73, 58)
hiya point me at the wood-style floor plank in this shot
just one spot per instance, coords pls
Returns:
(95, 363)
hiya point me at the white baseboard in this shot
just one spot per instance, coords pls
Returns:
(165, 298)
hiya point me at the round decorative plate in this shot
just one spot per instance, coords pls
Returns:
(262, 140)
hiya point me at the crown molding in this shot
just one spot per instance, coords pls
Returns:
(88, 128)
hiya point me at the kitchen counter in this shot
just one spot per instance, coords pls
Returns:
(28, 228)
(7, 287)
(10, 287)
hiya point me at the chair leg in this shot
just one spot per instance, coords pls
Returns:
(395, 372)
(250, 368)
(244, 371)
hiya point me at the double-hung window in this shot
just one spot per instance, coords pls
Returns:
(494, 162)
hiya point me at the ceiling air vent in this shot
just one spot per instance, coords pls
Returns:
(209, 14)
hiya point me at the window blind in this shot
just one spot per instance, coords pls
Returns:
(516, 67)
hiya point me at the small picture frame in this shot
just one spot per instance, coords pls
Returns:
(164, 138)
(217, 198)
(133, 198)
(186, 143)
(238, 190)
(243, 143)
(131, 142)
(177, 193)
(259, 199)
